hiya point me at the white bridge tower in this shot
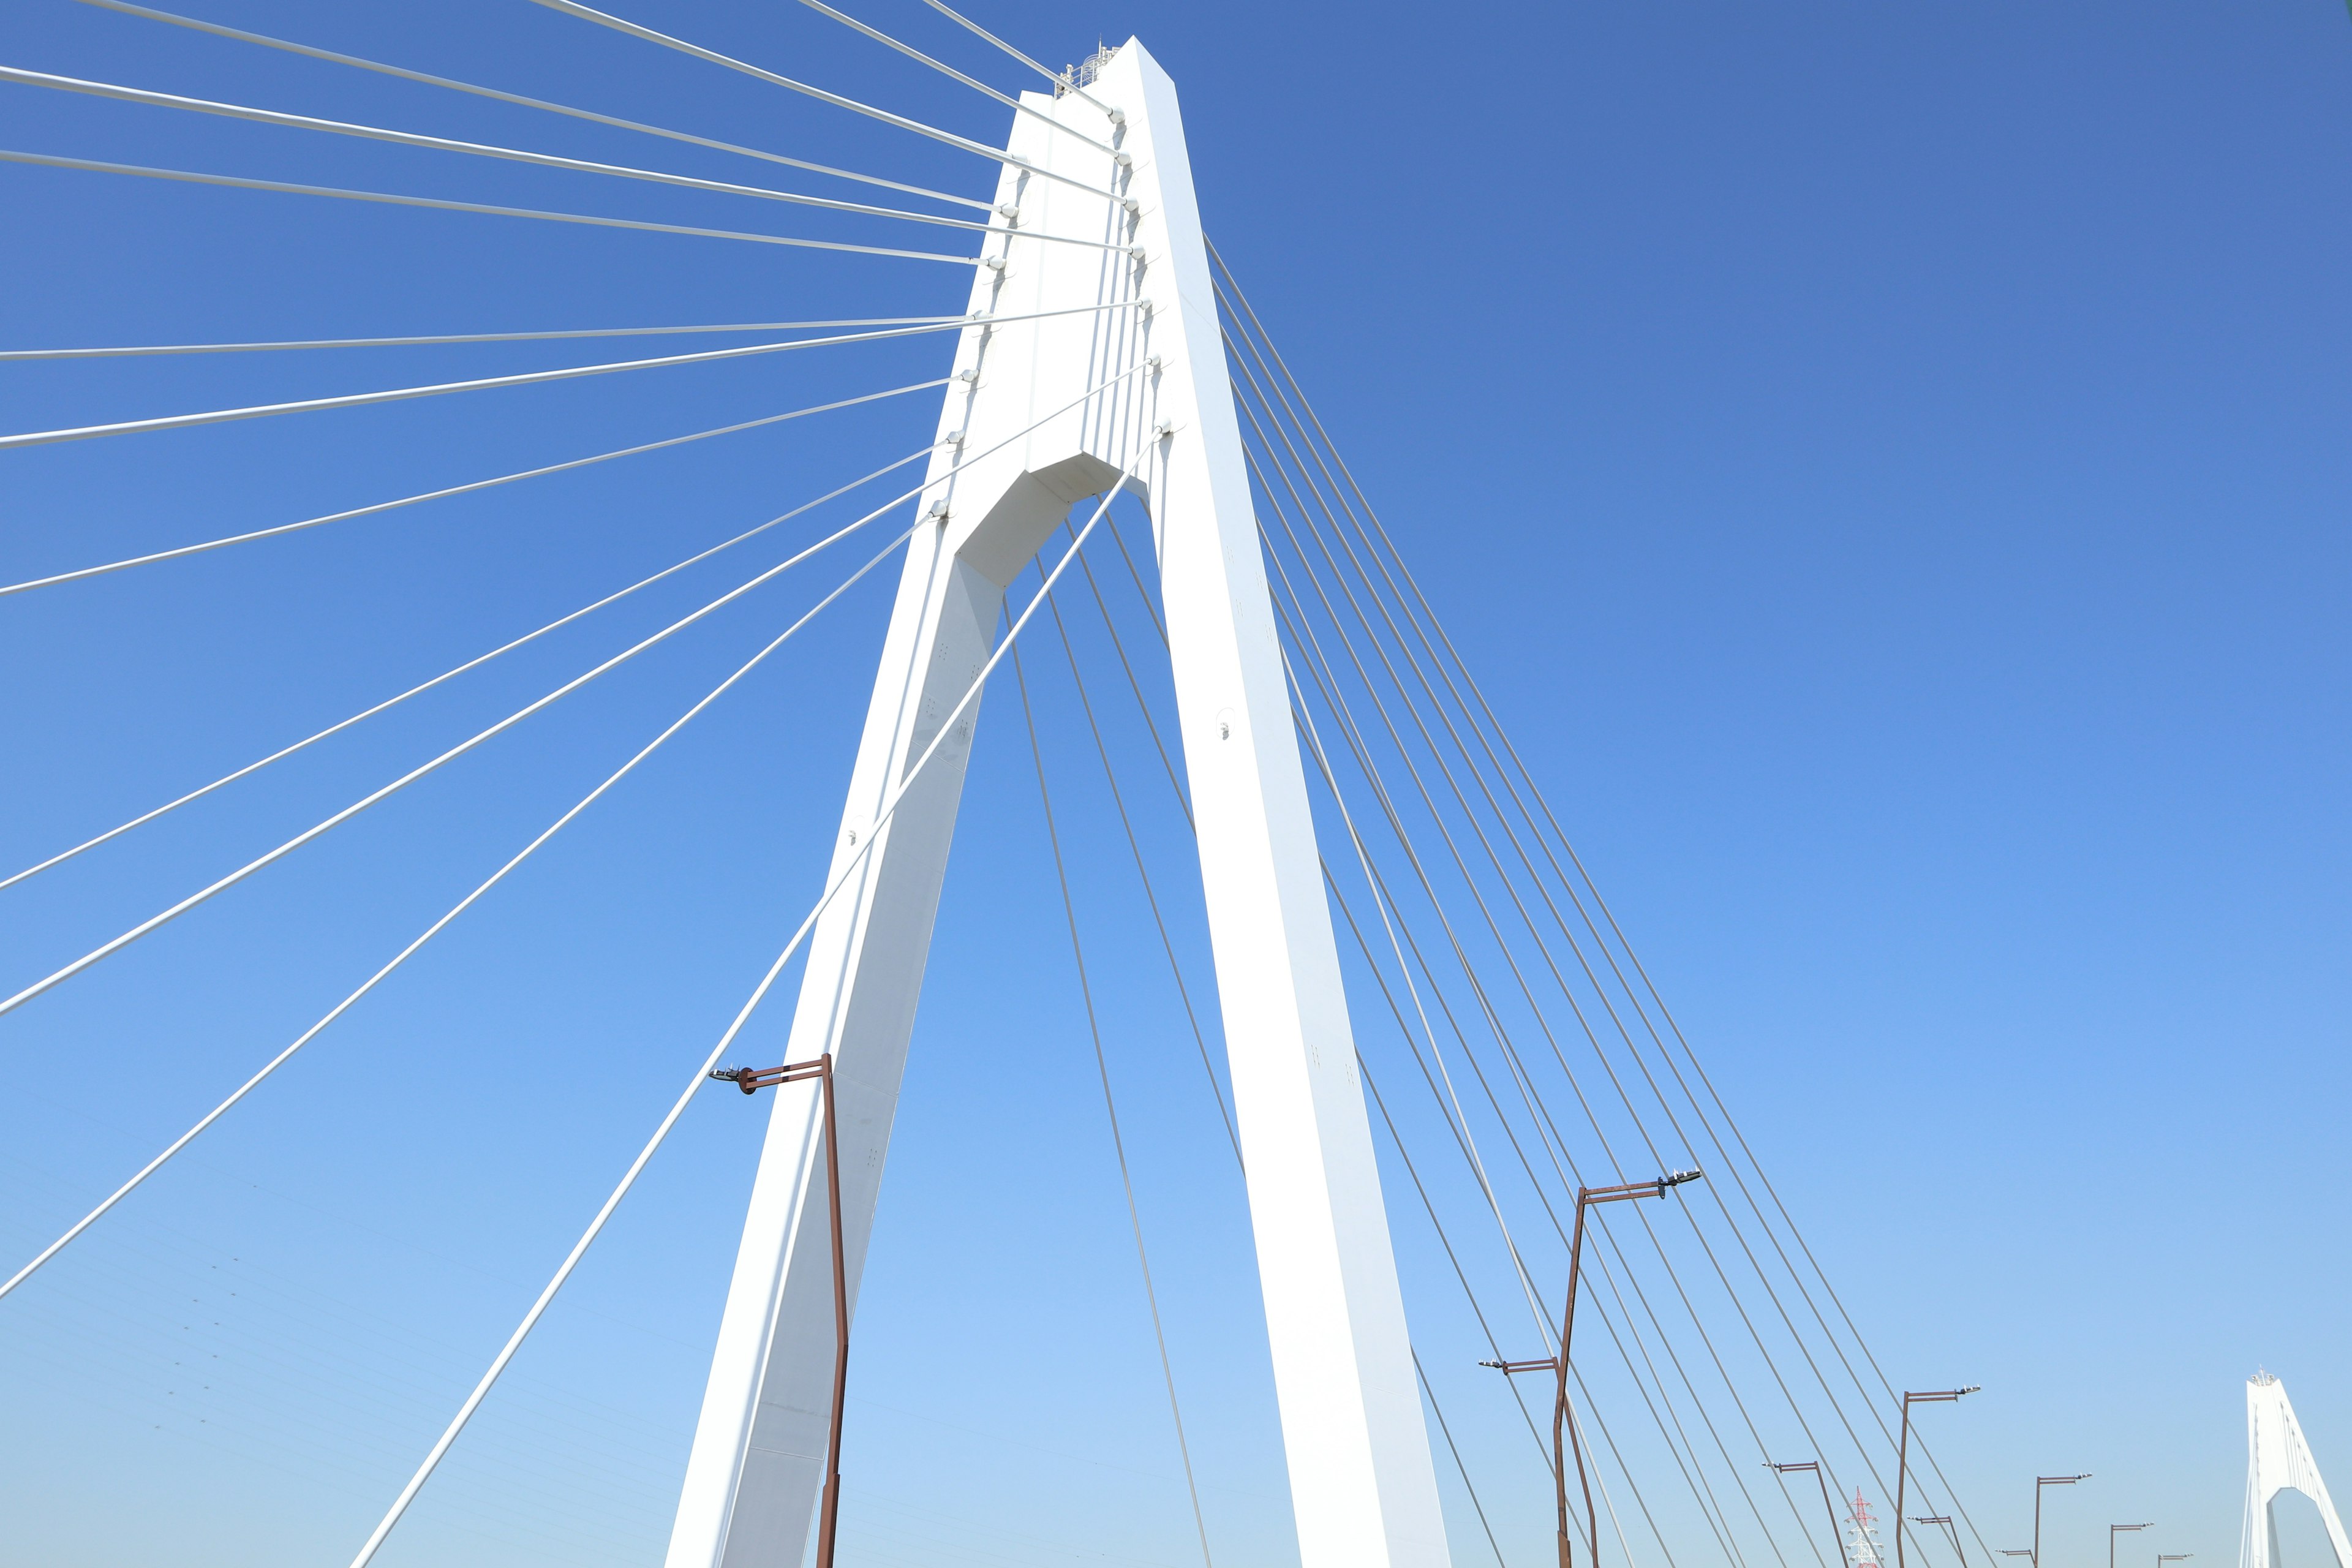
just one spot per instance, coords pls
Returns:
(2277, 1459)
(1131, 387)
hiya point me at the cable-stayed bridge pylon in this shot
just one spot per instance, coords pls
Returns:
(1430, 1042)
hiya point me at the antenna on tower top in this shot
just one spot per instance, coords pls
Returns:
(1087, 71)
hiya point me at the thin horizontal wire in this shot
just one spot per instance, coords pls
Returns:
(964, 143)
(474, 337)
(1061, 83)
(694, 1085)
(946, 475)
(157, 921)
(382, 506)
(945, 69)
(448, 675)
(458, 908)
(387, 199)
(266, 41)
(481, 384)
(475, 148)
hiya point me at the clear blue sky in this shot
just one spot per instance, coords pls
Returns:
(1888, 465)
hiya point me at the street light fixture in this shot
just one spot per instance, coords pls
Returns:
(1903, 1454)
(1560, 1444)
(2163, 1557)
(2039, 1483)
(2115, 1530)
(1951, 1529)
(1815, 1467)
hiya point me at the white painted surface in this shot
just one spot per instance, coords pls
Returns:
(1363, 1489)
(2277, 1459)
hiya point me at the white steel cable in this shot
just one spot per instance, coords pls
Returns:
(481, 383)
(566, 620)
(1547, 1336)
(1737, 1478)
(462, 905)
(945, 69)
(964, 143)
(1702, 1493)
(1110, 1111)
(155, 922)
(286, 187)
(81, 573)
(694, 1085)
(447, 144)
(1570, 887)
(192, 900)
(451, 674)
(1591, 976)
(153, 556)
(1379, 892)
(266, 41)
(516, 156)
(142, 349)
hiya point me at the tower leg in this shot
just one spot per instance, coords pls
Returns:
(1363, 1489)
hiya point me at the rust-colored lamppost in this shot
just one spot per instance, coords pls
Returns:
(1902, 1453)
(2039, 1483)
(752, 1081)
(1801, 1466)
(1950, 1529)
(2115, 1530)
(1563, 1444)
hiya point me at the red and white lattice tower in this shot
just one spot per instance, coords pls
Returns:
(1862, 1548)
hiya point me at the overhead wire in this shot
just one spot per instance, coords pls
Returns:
(439, 389)
(1736, 1475)
(511, 155)
(250, 535)
(156, 922)
(1732, 1165)
(1151, 898)
(386, 198)
(1184, 806)
(1384, 901)
(1110, 1109)
(429, 79)
(12, 355)
(947, 138)
(269, 1069)
(1521, 1080)
(836, 882)
(475, 663)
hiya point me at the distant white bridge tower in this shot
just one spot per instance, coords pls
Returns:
(2278, 1460)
